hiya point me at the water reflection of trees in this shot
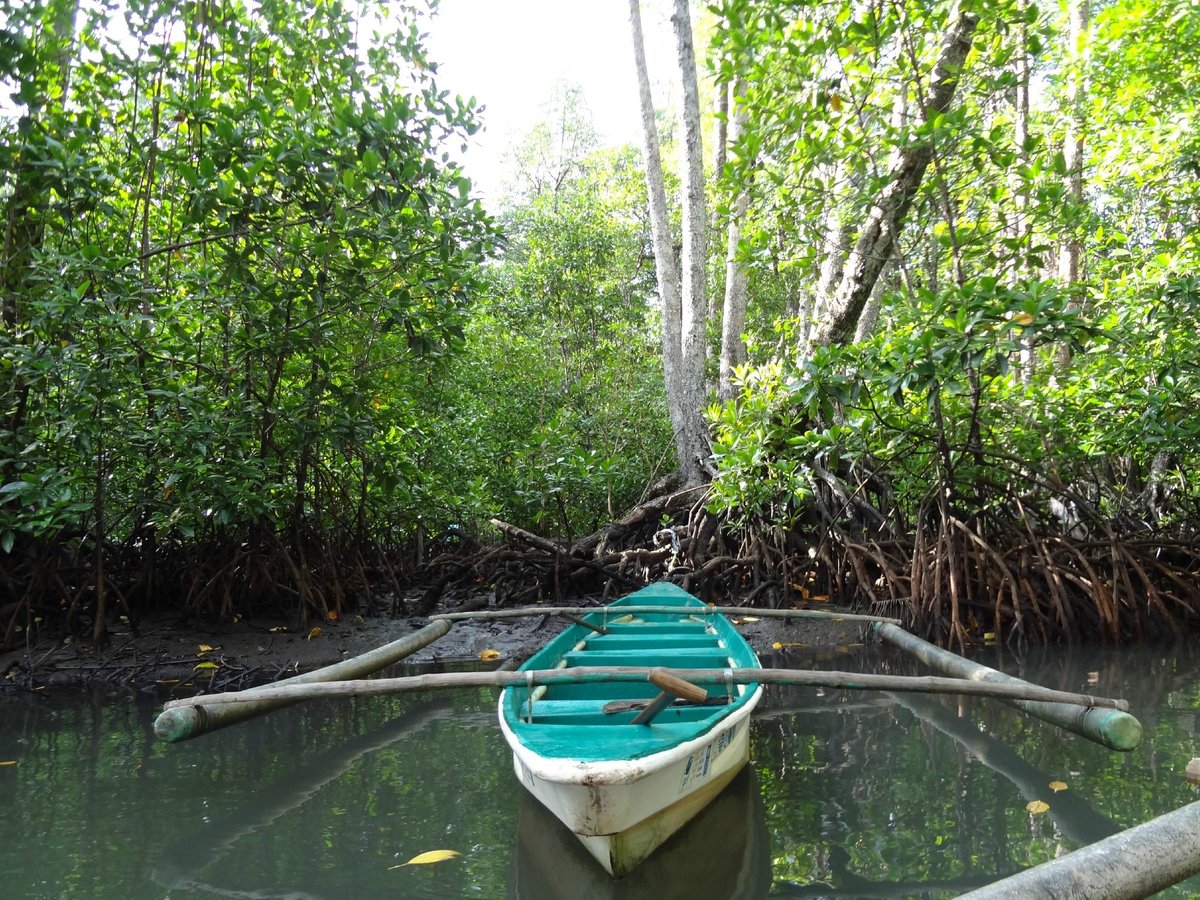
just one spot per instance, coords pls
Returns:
(867, 793)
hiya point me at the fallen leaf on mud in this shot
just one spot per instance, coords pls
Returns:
(206, 648)
(430, 856)
(744, 619)
(315, 631)
(1057, 786)
(1037, 807)
(278, 628)
(332, 615)
(488, 655)
(8, 762)
(167, 681)
(207, 665)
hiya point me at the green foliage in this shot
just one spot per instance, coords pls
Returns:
(559, 396)
(985, 378)
(239, 253)
(937, 403)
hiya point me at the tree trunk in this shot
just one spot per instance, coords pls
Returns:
(733, 314)
(869, 319)
(1021, 231)
(1079, 14)
(683, 319)
(837, 237)
(695, 255)
(877, 238)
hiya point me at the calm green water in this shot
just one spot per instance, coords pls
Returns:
(850, 795)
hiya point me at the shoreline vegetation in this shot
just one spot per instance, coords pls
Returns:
(866, 322)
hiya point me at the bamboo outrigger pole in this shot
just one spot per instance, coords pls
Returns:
(290, 693)
(1114, 728)
(181, 721)
(614, 614)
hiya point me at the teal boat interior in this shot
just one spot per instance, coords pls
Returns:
(592, 721)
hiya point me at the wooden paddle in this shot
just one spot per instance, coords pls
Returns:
(669, 687)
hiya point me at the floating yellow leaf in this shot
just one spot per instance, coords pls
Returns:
(989, 637)
(206, 648)
(430, 856)
(209, 664)
(777, 646)
(8, 762)
(1057, 786)
(1037, 807)
(315, 631)
(488, 655)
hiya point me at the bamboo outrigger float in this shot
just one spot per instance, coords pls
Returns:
(635, 716)
(1137, 862)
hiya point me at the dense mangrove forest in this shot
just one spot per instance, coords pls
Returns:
(894, 306)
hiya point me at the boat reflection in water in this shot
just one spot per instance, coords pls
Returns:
(723, 852)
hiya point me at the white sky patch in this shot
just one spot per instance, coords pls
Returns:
(509, 54)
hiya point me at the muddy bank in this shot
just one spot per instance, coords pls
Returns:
(167, 655)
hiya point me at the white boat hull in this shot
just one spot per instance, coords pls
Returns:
(622, 810)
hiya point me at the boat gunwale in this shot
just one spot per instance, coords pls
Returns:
(524, 739)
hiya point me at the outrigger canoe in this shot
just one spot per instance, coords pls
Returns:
(622, 764)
